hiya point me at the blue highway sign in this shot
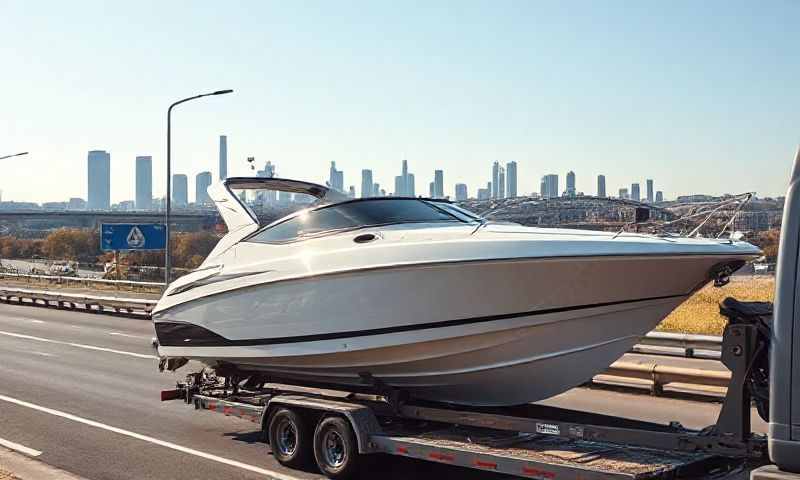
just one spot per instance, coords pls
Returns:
(132, 236)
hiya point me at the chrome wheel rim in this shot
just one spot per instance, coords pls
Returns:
(333, 449)
(286, 438)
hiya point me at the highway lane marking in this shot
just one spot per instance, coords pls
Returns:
(19, 448)
(149, 439)
(77, 345)
(25, 319)
(126, 335)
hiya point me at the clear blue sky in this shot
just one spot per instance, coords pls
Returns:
(700, 96)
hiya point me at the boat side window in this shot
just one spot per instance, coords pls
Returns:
(350, 215)
(460, 213)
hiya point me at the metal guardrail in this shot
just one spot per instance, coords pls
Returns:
(78, 301)
(686, 345)
(689, 379)
(82, 281)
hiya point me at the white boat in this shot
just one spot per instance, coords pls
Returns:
(424, 297)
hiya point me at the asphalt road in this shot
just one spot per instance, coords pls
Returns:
(81, 390)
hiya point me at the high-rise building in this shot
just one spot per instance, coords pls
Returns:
(438, 184)
(623, 194)
(99, 180)
(268, 172)
(431, 190)
(601, 186)
(76, 203)
(571, 184)
(376, 190)
(180, 190)
(549, 186)
(366, 183)
(659, 196)
(511, 179)
(495, 179)
(223, 157)
(201, 183)
(649, 190)
(144, 183)
(484, 193)
(336, 179)
(501, 183)
(404, 183)
(635, 195)
(461, 192)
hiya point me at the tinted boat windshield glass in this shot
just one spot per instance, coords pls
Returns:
(351, 215)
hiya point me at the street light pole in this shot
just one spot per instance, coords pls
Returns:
(167, 262)
(14, 155)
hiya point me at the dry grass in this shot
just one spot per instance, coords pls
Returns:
(700, 314)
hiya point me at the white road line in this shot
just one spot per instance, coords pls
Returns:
(146, 438)
(118, 334)
(33, 320)
(77, 345)
(19, 448)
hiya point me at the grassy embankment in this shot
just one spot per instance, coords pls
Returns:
(700, 314)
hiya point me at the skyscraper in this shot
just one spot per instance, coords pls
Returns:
(501, 183)
(99, 180)
(549, 186)
(601, 186)
(223, 157)
(144, 183)
(623, 193)
(570, 183)
(649, 190)
(201, 183)
(511, 179)
(461, 192)
(659, 196)
(366, 183)
(376, 190)
(404, 183)
(635, 195)
(495, 179)
(180, 190)
(336, 179)
(268, 172)
(432, 190)
(438, 184)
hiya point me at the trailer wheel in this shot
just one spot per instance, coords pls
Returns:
(335, 448)
(290, 438)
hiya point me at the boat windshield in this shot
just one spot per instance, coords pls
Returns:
(361, 213)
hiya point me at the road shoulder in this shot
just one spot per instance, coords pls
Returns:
(15, 466)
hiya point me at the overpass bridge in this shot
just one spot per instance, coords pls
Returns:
(190, 221)
(576, 212)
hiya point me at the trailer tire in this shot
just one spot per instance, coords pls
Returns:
(336, 449)
(290, 438)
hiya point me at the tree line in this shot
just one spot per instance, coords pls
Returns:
(83, 245)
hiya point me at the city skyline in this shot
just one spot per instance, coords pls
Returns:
(500, 185)
(565, 94)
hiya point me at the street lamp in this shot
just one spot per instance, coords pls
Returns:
(167, 266)
(14, 155)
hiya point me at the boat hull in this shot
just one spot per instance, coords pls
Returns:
(478, 333)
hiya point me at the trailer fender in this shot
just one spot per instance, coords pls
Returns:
(361, 418)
